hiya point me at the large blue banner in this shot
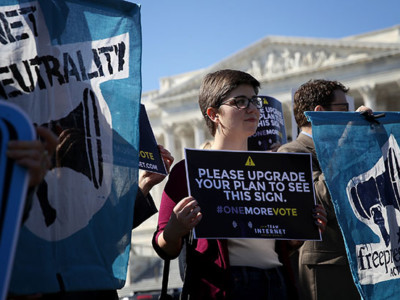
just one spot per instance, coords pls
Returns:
(74, 67)
(361, 163)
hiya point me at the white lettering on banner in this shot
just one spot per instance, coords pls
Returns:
(147, 166)
(270, 231)
(221, 174)
(44, 71)
(374, 199)
(276, 176)
(270, 116)
(267, 132)
(39, 69)
(376, 263)
(239, 185)
(54, 82)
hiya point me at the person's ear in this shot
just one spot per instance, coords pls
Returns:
(212, 114)
(319, 108)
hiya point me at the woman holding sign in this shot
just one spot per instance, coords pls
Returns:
(223, 268)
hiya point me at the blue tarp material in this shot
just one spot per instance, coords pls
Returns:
(361, 163)
(75, 67)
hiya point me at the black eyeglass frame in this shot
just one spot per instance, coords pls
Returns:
(338, 104)
(257, 101)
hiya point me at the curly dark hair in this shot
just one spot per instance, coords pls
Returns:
(217, 85)
(313, 93)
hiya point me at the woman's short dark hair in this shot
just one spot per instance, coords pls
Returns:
(217, 85)
(314, 93)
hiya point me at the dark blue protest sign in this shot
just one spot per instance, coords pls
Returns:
(75, 68)
(361, 163)
(149, 154)
(252, 194)
(14, 125)
(271, 126)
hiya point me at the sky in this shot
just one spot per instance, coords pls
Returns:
(179, 36)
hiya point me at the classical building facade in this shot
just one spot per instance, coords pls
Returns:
(368, 63)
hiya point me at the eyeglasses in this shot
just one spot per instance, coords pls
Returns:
(342, 106)
(242, 102)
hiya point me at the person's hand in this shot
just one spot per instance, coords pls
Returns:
(320, 216)
(34, 155)
(149, 179)
(166, 156)
(363, 108)
(186, 215)
(294, 245)
(274, 147)
(319, 213)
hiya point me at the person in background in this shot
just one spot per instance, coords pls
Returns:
(223, 268)
(321, 263)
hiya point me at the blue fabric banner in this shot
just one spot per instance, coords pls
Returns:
(361, 163)
(75, 67)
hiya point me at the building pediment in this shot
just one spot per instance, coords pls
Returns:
(276, 57)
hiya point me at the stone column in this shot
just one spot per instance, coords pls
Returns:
(184, 137)
(128, 274)
(160, 138)
(169, 139)
(368, 92)
(199, 135)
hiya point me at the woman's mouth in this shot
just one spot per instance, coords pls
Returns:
(252, 119)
